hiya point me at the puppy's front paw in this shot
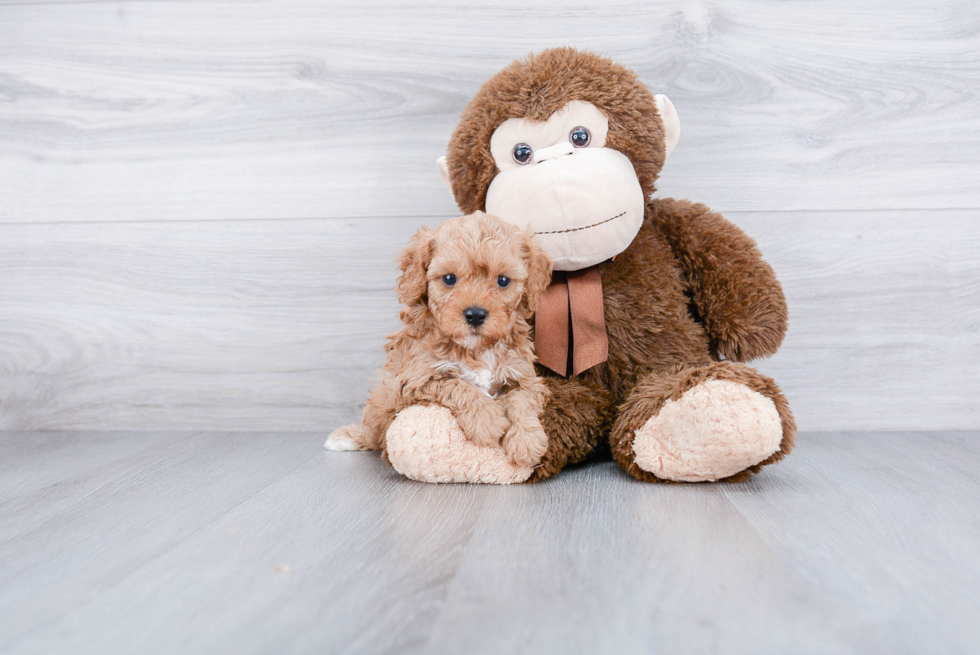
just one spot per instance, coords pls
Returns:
(484, 426)
(525, 444)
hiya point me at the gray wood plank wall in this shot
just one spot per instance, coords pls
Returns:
(200, 202)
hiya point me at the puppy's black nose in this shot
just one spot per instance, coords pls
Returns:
(475, 315)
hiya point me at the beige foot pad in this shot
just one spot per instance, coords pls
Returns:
(714, 430)
(426, 444)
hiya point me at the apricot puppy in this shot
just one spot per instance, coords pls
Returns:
(469, 288)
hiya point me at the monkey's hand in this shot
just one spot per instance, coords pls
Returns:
(736, 293)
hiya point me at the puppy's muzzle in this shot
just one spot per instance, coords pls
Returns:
(475, 316)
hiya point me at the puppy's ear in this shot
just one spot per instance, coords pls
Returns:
(414, 263)
(538, 270)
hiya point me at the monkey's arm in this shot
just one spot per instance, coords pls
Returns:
(736, 293)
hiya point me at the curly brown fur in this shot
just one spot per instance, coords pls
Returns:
(577, 419)
(484, 374)
(690, 286)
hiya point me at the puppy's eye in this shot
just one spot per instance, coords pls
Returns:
(449, 279)
(503, 281)
(523, 153)
(580, 137)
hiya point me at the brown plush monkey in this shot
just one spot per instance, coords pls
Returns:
(654, 304)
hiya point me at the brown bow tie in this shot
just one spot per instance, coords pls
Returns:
(570, 326)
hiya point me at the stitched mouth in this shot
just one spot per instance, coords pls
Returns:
(584, 227)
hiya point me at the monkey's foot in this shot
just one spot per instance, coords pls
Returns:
(713, 431)
(425, 443)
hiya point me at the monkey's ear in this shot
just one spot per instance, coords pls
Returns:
(443, 167)
(414, 264)
(672, 124)
(538, 270)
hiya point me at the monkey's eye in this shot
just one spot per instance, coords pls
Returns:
(523, 153)
(580, 137)
(449, 279)
(503, 281)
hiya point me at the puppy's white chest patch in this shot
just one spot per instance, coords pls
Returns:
(481, 378)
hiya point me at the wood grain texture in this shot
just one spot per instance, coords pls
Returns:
(300, 109)
(258, 543)
(279, 325)
(131, 133)
(884, 317)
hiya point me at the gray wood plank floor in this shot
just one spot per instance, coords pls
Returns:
(262, 543)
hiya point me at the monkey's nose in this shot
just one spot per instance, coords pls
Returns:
(475, 315)
(554, 152)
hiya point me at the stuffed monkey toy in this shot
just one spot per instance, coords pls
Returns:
(654, 305)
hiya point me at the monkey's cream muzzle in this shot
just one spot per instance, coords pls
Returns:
(584, 205)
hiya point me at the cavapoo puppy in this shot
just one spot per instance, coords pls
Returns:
(469, 288)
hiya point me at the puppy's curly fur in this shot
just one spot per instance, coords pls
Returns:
(484, 374)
